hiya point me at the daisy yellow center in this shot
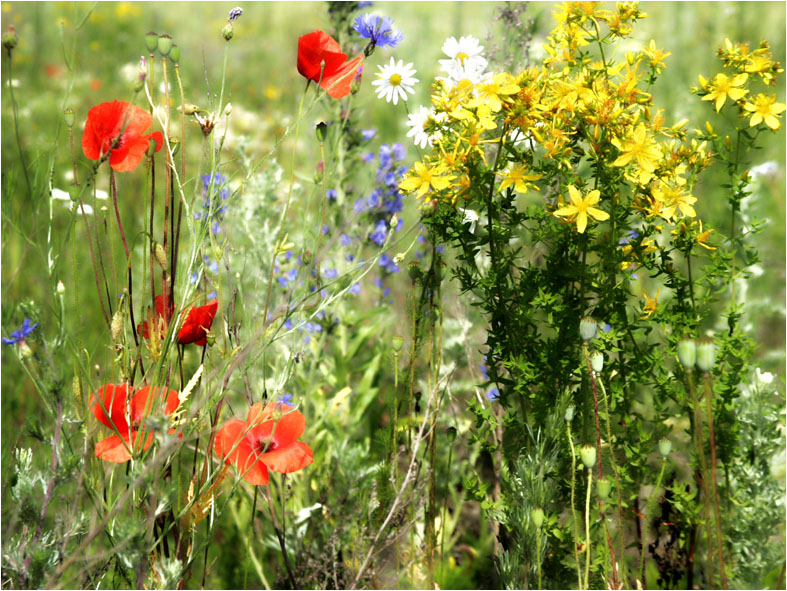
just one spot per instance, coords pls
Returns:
(462, 56)
(395, 80)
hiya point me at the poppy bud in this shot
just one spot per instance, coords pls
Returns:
(228, 110)
(396, 344)
(587, 453)
(174, 54)
(537, 515)
(10, 39)
(587, 328)
(569, 416)
(151, 41)
(210, 338)
(227, 32)
(61, 289)
(603, 488)
(188, 109)
(687, 352)
(306, 257)
(69, 117)
(597, 361)
(706, 354)
(451, 433)
(164, 44)
(161, 256)
(665, 447)
(322, 131)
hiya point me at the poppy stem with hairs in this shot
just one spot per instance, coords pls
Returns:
(280, 536)
(113, 190)
(248, 540)
(286, 206)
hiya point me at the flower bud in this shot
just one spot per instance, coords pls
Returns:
(116, 326)
(174, 144)
(10, 39)
(451, 433)
(687, 352)
(537, 515)
(69, 117)
(306, 257)
(188, 109)
(706, 354)
(151, 41)
(235, 14)
(665, 447)
(414, 270)
(396, 344)
(174, 54)
(210, 339)
(164, 44)
(587, 328)
(61, 289)
(25, 352)
(321, 130)
(569, 416)
(597, 361)
(160, 255)
(76, 388)
(603, 488)
(228, 109)
(587, 453)
(227, 32)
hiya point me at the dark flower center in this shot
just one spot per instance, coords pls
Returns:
(264, 445)
(108, 144)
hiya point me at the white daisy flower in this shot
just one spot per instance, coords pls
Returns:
(394, 79)
(466, 53)
(417, 123)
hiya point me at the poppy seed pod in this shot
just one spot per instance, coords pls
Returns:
(322, 131)
(706, 354)
(164, 44)
(414, 270)
(537, 515)
(174, 144)
(587, 453)
(603, 488)
(597, 361)
(151, 41)
(174, 54)
(227, 32)
(687, 352)
(69, 117)
(451, 432)
(665, 447)
(587, 328)
(396, 344)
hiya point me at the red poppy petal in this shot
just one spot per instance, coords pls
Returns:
(197, 322)
(315, 49)
(113, 449)
(148, 400)
(290, 458)
(253, 470)
(103, 123)
(158, 137)
(337, 83)
(111, 398)
(230, 438)
(285, 430)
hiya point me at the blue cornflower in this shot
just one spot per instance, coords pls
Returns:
(368, 134)
(21, 334)
(379, 233)
(286, 398)
(378, 29)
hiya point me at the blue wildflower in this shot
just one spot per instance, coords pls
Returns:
(345, 240)
(331, 193)
(21, 334)
(355, 288)
(379, 30)
(286, 398)
(379, 233)
(398, 151)
(374, 198)
(368, 157)
(359, 206)
(492, 394)
(368, 134)
(331, 273)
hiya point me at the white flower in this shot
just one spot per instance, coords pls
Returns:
(60, 195)
(765, 169)
(763, 378)
(465, 52)
(469, 216)
(417, 123)
(394, 79)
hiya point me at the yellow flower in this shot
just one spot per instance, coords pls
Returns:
(582, 208)
(638, 146)
(722, 87)
(516, 176)
(656, 56)
(490, 91)
(702, 237)
(765, 108)
(420, 179)
(650, 304)
(669, 199)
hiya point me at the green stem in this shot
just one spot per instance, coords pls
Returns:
(248, 540)
(647, 523)
(587, 529)
(713, 479)
(538, 556)
(574, 528)
(15, 109)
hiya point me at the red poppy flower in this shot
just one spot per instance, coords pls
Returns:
(321, 59)
(267, 440)
(198, 322)
(105, 123)
(112, 407)
(160, 319)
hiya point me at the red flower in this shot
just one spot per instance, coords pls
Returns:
(198, 322)
(126, 416)
(267, 440)
(161, 318)
(321, 59)
(105, 123)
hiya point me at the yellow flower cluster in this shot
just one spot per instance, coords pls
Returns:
(539, 129)
(746, 67)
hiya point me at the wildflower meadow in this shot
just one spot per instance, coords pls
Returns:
(399, 295)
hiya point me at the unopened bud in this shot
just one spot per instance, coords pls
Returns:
(665, 447)
(10, 39)
(451, 433)
(174, 54)
(537, 515)
(227, 32)
(151, 41)
(706, 354)
(322, 131)
(25, 352)
(174, 144)
(69, 117)
(687, 352)
(414, 270)
(210, 339)
(597, 361)
(603, 488)
(587, 453)
(394, 221)
(165, 44)
(61, 289)
(116, 326)
(396, 344)
(587, 328)
(152, 145)
(160, 255)
(228, 110)
(569, 416)
(306, 257)
(188, 109)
